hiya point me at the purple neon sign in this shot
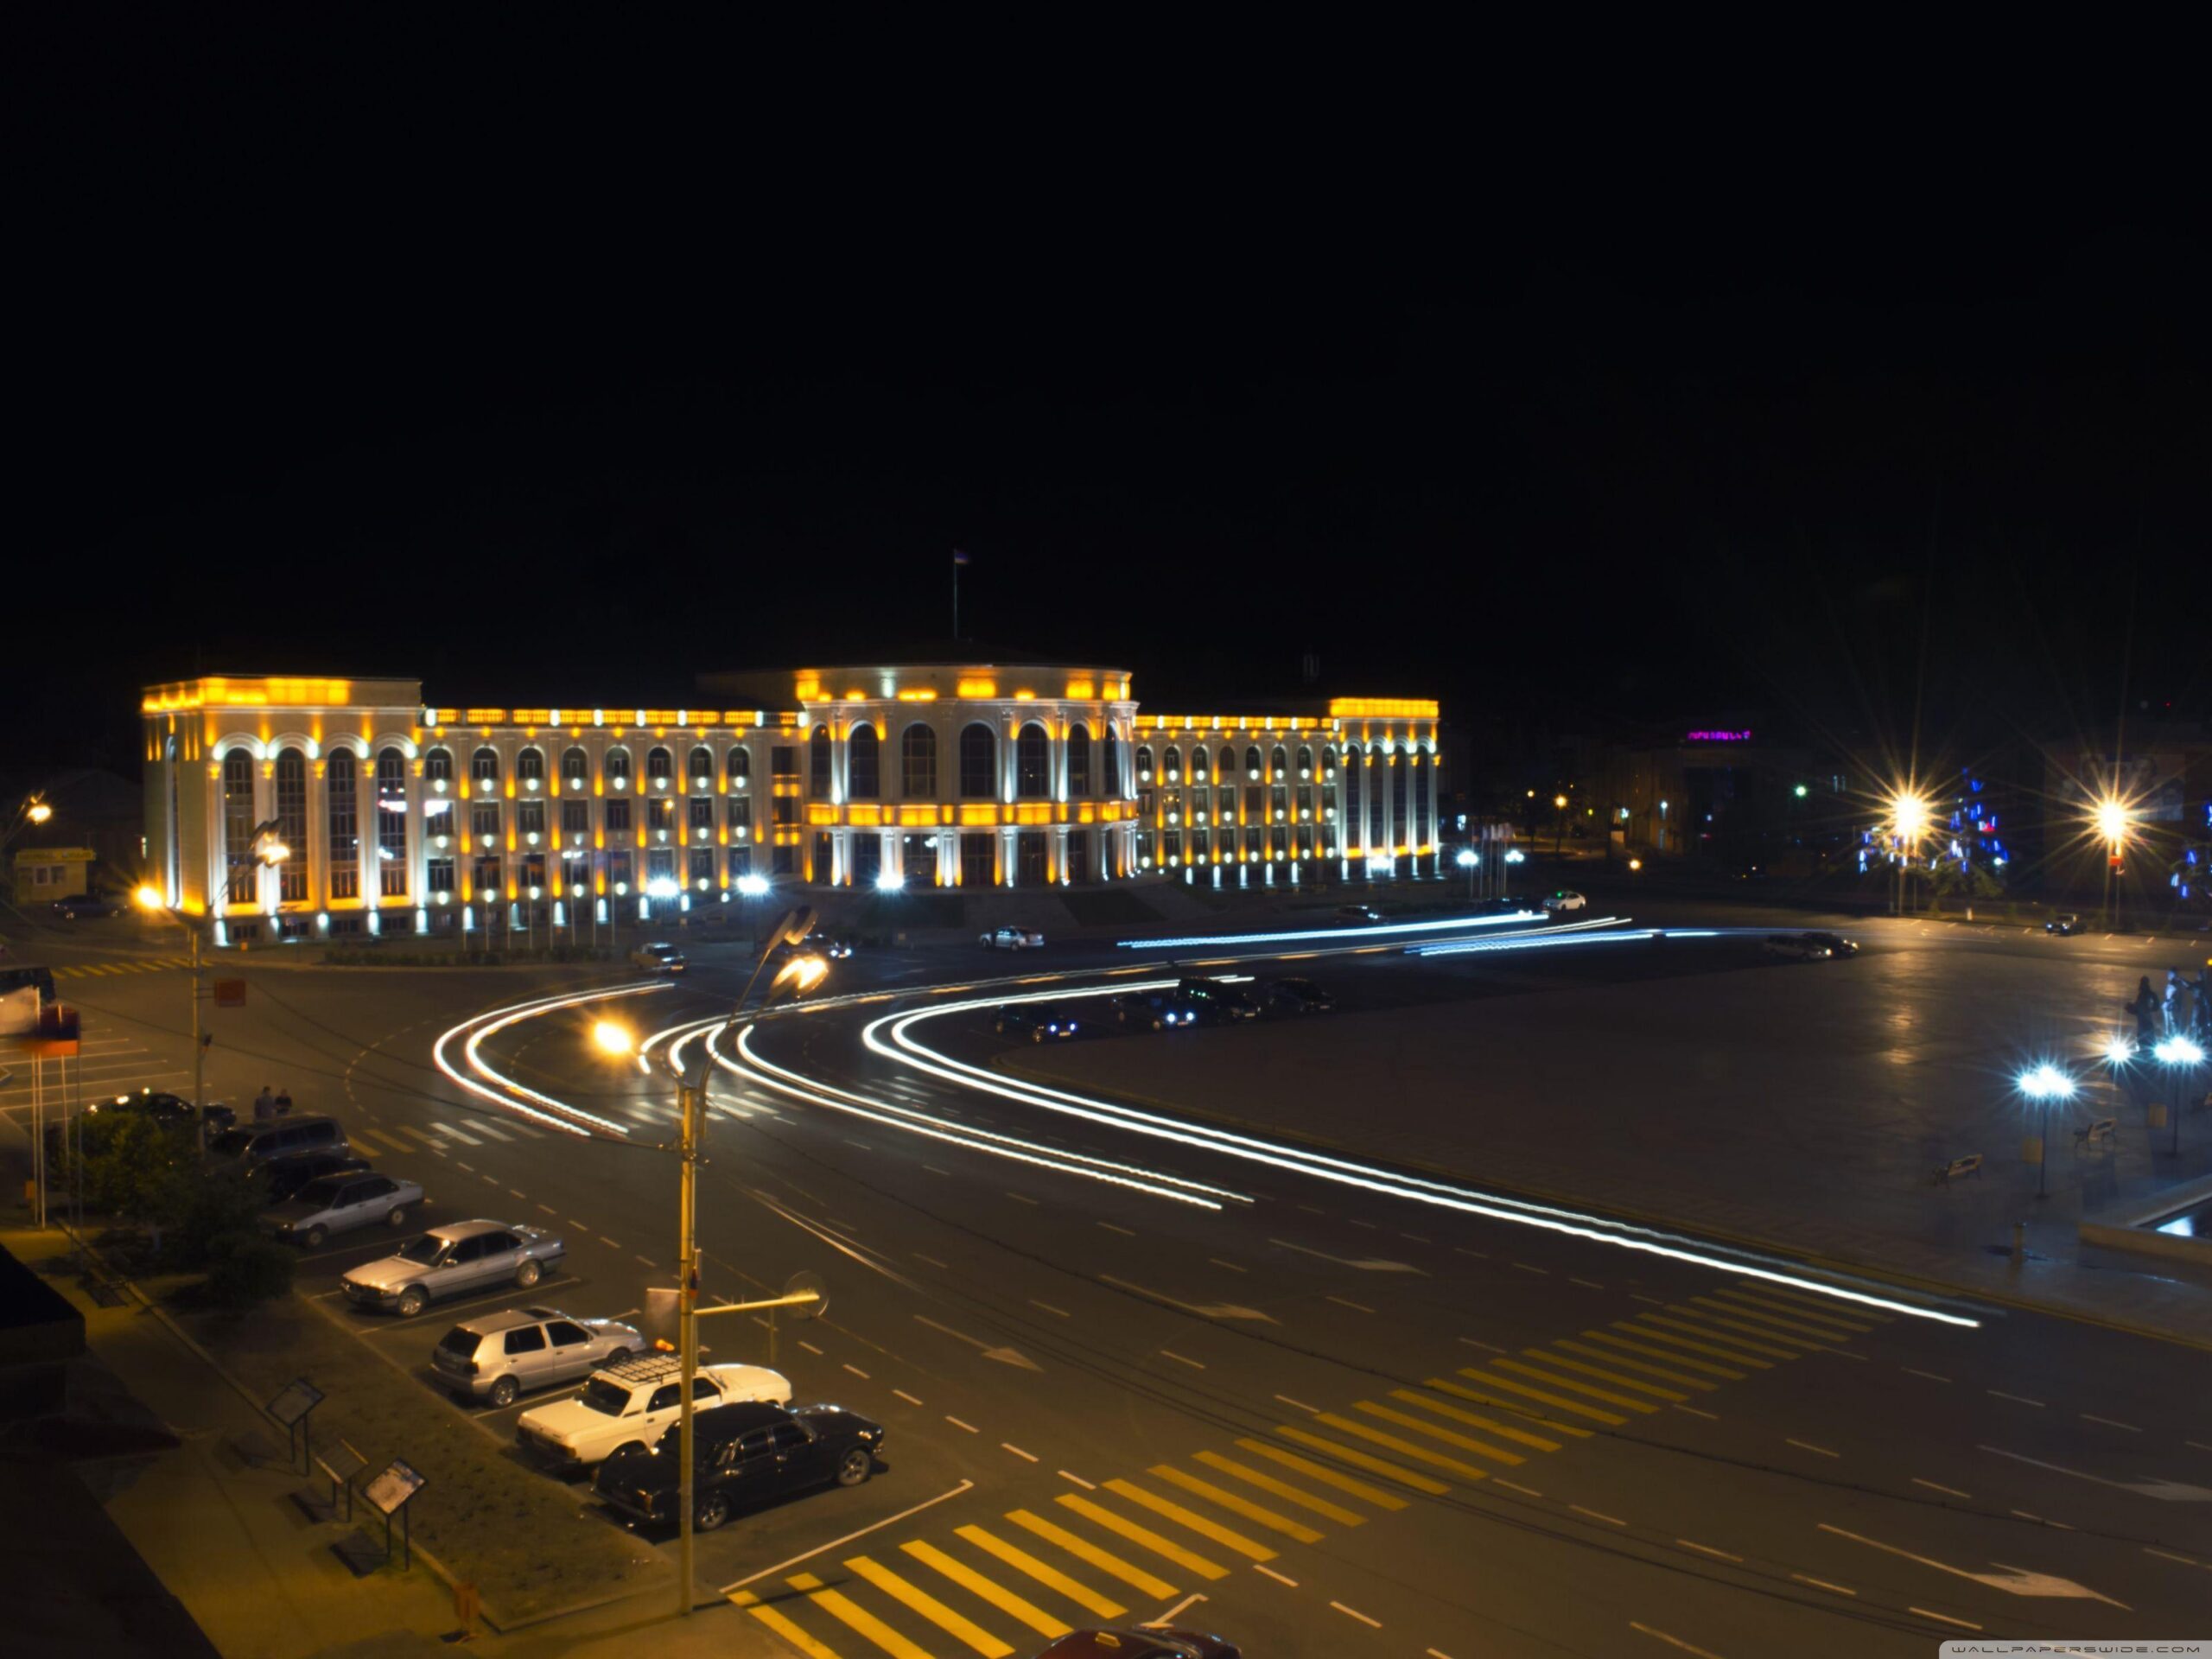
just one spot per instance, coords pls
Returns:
(1743, 736)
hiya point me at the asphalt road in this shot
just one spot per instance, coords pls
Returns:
(1346, 1421)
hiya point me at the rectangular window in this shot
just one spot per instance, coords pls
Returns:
(917, 854)
(1078, 856)
(825, 866)
(783, 761)
(1279, 839)
(242, 882)
(660, 813)
(1145, 803)
(530, 820)
(292, 825)
(484, 826)
(533, 874)
(440, 875)
(1029, 854)
(487, 882)
(782, 860)
(617, 871)
(617, 818)
(867, 858)
(702, 868)
(1255, 804)
(740, 816)
(975, 861)
(1305, 841)
(1199, 847)
(576, 823)
(1171, 848)
(1305, 803)
(391, 824)
(702, 815)
(785, 809)
(740, 862)
(1279, 804)
(660, 865)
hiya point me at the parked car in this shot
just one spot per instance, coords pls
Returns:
(257, 1143)
(1218, 1004)
(1012, 939)
(1837, 945)
(86, 906)
(1155, 1009)
(169, 1111)
(342, 1204)
(451, 1260)
(497, 1357)
(1155, 1642)
(2066, 924)
(744, 1456)
(1298, 996)
(1794, 947)
(1566, 899)
(281, 1179)
(835, 946)
(626, 1406)
(1039, 1022)
(1358, 913)
(658, 958)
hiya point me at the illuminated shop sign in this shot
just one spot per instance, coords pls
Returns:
(1743, 736)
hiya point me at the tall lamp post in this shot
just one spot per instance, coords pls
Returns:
(2043, 1085)
(1909, 823)
(801, 974)
(2113, 819)
(2179, 1055)
(1467, 860)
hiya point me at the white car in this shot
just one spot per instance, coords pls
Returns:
(1012, 939)
(658, 958)
(631, 1401)
(1566, 899)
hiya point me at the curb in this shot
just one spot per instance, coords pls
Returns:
(1880, 1273)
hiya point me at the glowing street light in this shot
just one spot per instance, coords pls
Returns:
(2179, 1055)
(2112, 819)
(39, 811)
(1910, 816)
(2043, 1085)
(1467, 860)
(612, 1038)
(2119, 1050)
(889, 881)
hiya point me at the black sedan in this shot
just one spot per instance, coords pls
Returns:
(1153, 1642)
(1837, 945)
(80, 906)
(747, 1454)
(1038, 1022)
(1298, 996)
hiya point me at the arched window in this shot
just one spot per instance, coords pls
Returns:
(702, 770)
(391, 824)
(342, 790)
(617, 770)
(740, 766)
(1032, 763)
(660, 766)
(530, 768)
(979, 762)
(864, 764)
(1078, 759)
(1144, 763)
(817, 763)
(238, 819)
(1328, 760)
(437, 767)
(1252, 761)
(1355, 799)
(1281, 764)
(1198, 764)
(918, 763)
(1401, 827)
(292, 825)
(484, 767)
(1173, 764)
(1305, 762)
(1113, 790)
(575, 770)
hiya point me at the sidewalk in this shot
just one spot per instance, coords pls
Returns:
(218, 1527)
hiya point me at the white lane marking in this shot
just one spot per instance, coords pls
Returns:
(1049, 1308)
(1675, 1642)
(934, 1170)
(609, 1243)
(856, 1371)
(970, 1427)
(2168, 1555)
(2012, 1580)
(1709, 1416)
(1479, 1256)
(461, 1135)
(1259, 1567)
(1937, 1486)
(1807, 1446)
(2019, 1399)
(517, 1192)
(489, 1180)
(1525, 1267)
(1086, 1485)
(581, 1226)
(1586, 1284)
(918, 1256)
(835, 1544)
(1111, 1228)
(1196, 1365)
(2197, 1445)
(1416, 1237)
(647, 1259)
(1930, 1375)
(1008, 1445)
(1487, 1347)
(1944, 1618)
(1354, 1612)
(1300, 1404)
(497, 1135)
(1204, 1310)
(2091, 1417)
(1707, 1549)
(1823, 1584)
(1365, 1263)
(551, 1210)
(1169, 1617)
(1020, 1198)
(1232, 1265)
(1639, 1297)
(2167, 1491)
(471, 1168)
(811, 1349)
(1511, 1486)
(907, 1397)
(1372, 1227)
(1341, 1302)
(862, 1145)
(1598, 1515)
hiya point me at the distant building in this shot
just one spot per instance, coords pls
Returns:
(44, 875)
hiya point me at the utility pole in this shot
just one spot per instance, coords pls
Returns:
(689, 1094)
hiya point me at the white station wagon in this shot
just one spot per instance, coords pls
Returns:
(631, 1401)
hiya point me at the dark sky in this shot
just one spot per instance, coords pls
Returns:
(356, 359)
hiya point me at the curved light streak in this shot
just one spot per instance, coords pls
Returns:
(520, 1097)
(907, 1050)
(1385, 928)
(1482, 947)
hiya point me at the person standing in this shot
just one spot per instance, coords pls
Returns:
(264, 1105)
(2144, 1008)
(2176, 1003)
(284, 1101)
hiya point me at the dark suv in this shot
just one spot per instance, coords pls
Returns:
(745, 1455)
(1218, 1004)
(1298, 996)
(1157, 1010)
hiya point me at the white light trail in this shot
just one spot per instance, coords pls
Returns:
(1392, 928)
(519, 1098)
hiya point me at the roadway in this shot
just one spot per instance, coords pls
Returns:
(1348, 1417)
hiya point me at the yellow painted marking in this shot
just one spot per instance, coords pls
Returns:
(1775, 1317)
(1515, 1406)
(974, 1582)
(774, 1618)
(1621, 1400)
(1244, 1506)
(1227, 1537)
(1765, 1327)
(1475, 1420)
(1556, 1402)
(1691, 1319)
(1374, 1465)
(1143, 1537)
(1851, 1322)
(1282, 1489)
(1083, 1550)
(850, 1613)
(1611, 1358)
(1857, 1310)
(954, 1624)
(1327, 1477)
(1655, 1331)
(1403, 1448)
(1022, 1561)
(1407, 1420)
(1614, 1377)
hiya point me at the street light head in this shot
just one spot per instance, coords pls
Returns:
(753, 887)
(889, 881)
(612, 1039)
(2119, 1051)
(2179, 1050)
(149, 897)
(2112, 819)
(1466, 859)
(274, 852)
(1560, 801)
(2046, 1081)
(803, 973)
(1909, 813)
(39, 811)
(1636, 864)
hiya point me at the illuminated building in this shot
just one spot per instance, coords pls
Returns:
(404, 816)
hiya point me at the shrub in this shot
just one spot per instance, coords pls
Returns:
(245, 1267)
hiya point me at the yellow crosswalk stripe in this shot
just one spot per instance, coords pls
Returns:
(1282, 1489)
(1746, 1336)
(850, 1613)
(1652, 1328)
(1227, 1537)
(1083, 1550)
(1166, 1548)
(953, 1623)
(1789, 1317)
(1679, 1374)
(1518, 1407)
(1327, 1477)
(1402, 1448)
(1673, 1355)
(1614, 1377)
(1244, 1506)
(1756, 1323)
(1475, 1420)
(1407, 1420)
(1553, 1401)
(1022, 1561)
(1620, 1400)
(775, 1619)
(1359, 1459)
(976, 1584)
(1856, 1309)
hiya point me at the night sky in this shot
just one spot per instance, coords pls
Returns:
(361, 362)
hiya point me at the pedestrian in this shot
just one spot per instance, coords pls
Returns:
(2176, 1003)
(2145, 1005)
(284, 1101)
(2201, 995)
(264, 1105)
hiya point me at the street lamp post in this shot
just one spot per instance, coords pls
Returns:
(2043, 1085)
(1559, 824)
(2179, 1055)
(1467, 861)
(1908, 820)
(2113, 818)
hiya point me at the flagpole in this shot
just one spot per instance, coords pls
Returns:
(955, 596)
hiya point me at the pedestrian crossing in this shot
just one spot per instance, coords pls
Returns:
(438, 1137)
(137, 965)
(1125, 1548)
